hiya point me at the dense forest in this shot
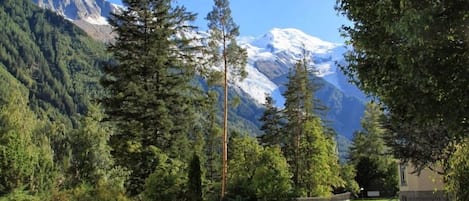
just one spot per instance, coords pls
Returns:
(138, 121)
(146, 118)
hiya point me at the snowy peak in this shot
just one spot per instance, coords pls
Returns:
(271, 55)
(94, 12)
(293, 41)
(279, 49)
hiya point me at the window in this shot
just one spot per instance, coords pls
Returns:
(402, 173)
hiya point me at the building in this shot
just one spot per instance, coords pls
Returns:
(426, 186)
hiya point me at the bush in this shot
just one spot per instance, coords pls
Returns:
(167, 182)
(458, 175)
(19, 195)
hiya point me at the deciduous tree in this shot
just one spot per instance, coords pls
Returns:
(412, 55)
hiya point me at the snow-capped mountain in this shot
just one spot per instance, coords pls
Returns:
(270, 57)
(92, 11)
(90, 15)
(273, 54)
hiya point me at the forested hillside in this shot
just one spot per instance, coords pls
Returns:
(135, 121)
(49, 73)
(56, 61)
(49, 82)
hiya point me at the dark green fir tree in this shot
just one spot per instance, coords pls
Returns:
(149, 91)
(272, 124)
(195, 180)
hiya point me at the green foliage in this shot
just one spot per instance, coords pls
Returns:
(272, 178)
(376, 168)
(51, 57)
(257, 173)
(167, 182)
(25, 156)
(91, 158)
(149, 93)
(458, 175)
(50, 70)
(194, 188)
(348, 173)
(244, 153)
(103, 191)
(272, 124)
(225, 51)
(19, 195)
(412, 55)
(318, 162)
(56, 66)
(307, 144)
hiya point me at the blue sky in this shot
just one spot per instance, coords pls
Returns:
(257, 17)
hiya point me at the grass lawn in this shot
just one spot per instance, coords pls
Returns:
(380, 199)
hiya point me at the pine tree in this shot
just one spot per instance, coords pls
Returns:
(309, 148)
(149, 91)
(272, 125)
(298, 108)
(225, 52)
(376, 169)
(195, 180)
(212, 143)
(318, 161)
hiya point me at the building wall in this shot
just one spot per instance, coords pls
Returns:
(428, 185)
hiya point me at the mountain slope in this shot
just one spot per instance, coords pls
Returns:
(273, 54)
(270, 58)
(89, 15)
(56, 61)
(92, 11)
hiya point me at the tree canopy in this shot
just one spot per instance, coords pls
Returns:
(412, 55)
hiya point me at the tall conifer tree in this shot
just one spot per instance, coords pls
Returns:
(225, 52)
(212, 145)
(148, 89)
(309, 149)
(376, 169)
(298, 108)
(195, 180)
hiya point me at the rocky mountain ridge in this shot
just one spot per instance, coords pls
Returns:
(89, 15)
(270, 58)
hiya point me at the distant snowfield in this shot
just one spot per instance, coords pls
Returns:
(96, 20)
(292, 43)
